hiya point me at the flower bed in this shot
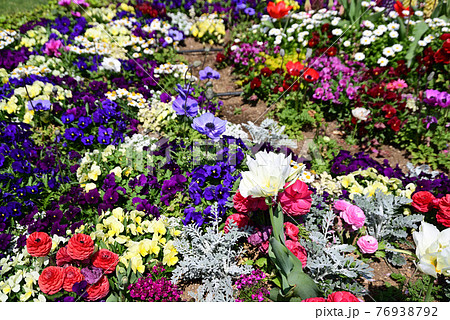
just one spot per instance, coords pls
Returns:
(120, 179)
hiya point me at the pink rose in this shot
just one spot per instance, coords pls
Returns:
(291, 230)
(240, 219)
(296, 199)
(354, 217)
(367, 244)
(341, 205)
(297, 250)
(342, 296)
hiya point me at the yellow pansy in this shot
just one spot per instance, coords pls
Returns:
(114, 225)
(95, 172)
(89, 186)
(117, 172)
(136, 264)
(118, 213)
(347, 180)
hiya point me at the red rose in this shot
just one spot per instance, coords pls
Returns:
(240, 219)
(80, 247)
(62, 257)
(311, 75)
(39, 244)
(99, 290)
(422, 201)
(296, 199)
(278, 10)
(291, 230)
(256, 83)
(297, 250)
(315, 300)
(443, 215)
(72, 276)
(105, 260)
(51, 280)
(342, 296)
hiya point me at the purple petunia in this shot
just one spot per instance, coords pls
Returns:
(210, 125)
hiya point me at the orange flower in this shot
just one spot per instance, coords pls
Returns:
(278, 10)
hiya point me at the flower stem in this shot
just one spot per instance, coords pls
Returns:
(430, 288)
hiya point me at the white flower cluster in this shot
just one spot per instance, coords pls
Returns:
(7, 37)
(236, 131)
(182, 21)
(90, 170)
(29, 70)
(154, 119)
(134, 99)
(177, 70)
(137, 142)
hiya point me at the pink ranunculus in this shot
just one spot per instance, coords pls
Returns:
(422, 200)
(297, 250)
(240, 203)
(241, 220)
(291, 230)
(354, 217)
(296, 199)
(341, 205)
(367, 244)
(52, 47)
(342, 296)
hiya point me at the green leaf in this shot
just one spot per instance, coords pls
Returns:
(261, 262)
(380, 254)
(419, 30)
(112, 298)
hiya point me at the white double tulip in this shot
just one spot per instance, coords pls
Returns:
(433, 250)
(267, 175)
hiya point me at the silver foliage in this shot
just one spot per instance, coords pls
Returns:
(210, 256)
(269, 131)
(329, 261)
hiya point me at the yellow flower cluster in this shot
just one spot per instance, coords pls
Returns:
(154, 119)
(39, 90)
(373, 181)
(134, 99)
(273, 62)
(103, 13)
(324, 182)
(209, 26)
(155, 237)
(35, 37)
(293, 3)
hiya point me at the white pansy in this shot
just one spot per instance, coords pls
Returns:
(367, 33)
(361, 113)
(365, 4)
(111, 64)
(429, 38)
(383, 61)
(422, 43)
(369, 24)
(393, 14)
(393, 26)
(382, 28)
(378, 32)
(266, 176)
(432, 249)
(359, 56)
(411, 38)
(347, 43)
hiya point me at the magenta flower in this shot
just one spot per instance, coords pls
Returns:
(52, 47)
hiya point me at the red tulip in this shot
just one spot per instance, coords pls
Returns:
(399, 8)
(311, 75)
(294, 69)
(278, 10)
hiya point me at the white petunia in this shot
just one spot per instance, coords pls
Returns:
(111, 64)
(383, 61)
(359, 56)
(422, 43)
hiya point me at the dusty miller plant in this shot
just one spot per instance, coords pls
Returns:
(329, 262)
(386, 222)
(210, 256)
(269, 131)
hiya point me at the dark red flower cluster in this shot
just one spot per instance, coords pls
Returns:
(152, 10)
